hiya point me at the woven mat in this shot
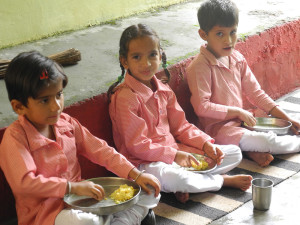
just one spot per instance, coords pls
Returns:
(203, 208)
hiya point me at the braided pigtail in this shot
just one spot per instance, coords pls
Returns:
(166, 78)
(112, 87)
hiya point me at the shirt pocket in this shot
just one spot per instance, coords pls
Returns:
(50, 161)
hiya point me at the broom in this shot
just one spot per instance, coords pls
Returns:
(67, 57)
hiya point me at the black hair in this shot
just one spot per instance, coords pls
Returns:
(130, 33)
(217, 12)
(23, 75)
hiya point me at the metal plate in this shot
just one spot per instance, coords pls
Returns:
(106, 206)
(278, 126)
(211, 164)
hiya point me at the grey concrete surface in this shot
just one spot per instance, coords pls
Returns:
(176, 25)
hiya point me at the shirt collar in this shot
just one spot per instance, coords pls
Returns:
(209, 56)
(142, 90)
(234, 57)
(35, 139)
(62, 124)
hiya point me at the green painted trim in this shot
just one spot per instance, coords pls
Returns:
(29, 20)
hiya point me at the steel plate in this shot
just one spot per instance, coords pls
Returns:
(106, 206)
(278, 126)
(211, 164)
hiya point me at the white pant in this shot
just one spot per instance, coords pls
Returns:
(175, 179)
(254, 141)
(131, 216)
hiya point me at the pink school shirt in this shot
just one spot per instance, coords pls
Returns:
(147, 124)
(214, 87)
(37, 168)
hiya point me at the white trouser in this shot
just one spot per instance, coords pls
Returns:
(176, 179)
(131, 216)
(254, 141)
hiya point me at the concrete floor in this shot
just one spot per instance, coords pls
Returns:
(177, 27)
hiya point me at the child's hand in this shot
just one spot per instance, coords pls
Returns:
(148, 179)
(243, 115)
(247, 117)
(185, 159)
(295, 126)
(88, 188)
(277, 112)
(213, 152)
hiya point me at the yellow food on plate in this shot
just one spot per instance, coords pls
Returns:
(202, 165)
(123, 193)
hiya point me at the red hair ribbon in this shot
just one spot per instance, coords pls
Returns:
(44, 75)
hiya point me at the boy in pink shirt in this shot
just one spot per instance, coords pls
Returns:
(218, 78)
(38, 153)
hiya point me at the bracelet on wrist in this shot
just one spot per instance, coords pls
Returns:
(139, 175)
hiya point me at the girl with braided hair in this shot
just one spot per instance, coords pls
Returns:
(150, 128)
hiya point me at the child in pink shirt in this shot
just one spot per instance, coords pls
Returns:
(38, 153)
(151, 130)
(218, 79)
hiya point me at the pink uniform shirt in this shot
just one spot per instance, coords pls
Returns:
(147, 124)
(37, 168)
(214, 87)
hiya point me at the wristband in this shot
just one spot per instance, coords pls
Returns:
(139, 175)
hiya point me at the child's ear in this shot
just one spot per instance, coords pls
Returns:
(124, 63)
(202, 34)
(17, 106)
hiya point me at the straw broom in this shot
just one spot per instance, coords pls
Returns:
(67, 57)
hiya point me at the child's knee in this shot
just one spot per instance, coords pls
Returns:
(257, 141)
(77, 217)
(233, 153)
(238, 153)
(131, 216)
(232, 150)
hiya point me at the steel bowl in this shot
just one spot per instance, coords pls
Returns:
(106, 206)
(278, 126)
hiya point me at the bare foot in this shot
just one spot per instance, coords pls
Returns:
(240, 181)
(182, 197)
(261, 158)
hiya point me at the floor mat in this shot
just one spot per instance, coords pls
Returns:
(203, 208)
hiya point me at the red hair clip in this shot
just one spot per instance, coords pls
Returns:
(44, 75)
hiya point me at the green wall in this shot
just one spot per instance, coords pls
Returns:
(27, 20)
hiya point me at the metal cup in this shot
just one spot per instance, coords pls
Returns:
(261, 193)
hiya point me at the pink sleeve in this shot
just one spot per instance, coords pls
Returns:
(253, 91)
(181, 129)
(20, 169)
(200, 83)
(133, 129)
(99, 152)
